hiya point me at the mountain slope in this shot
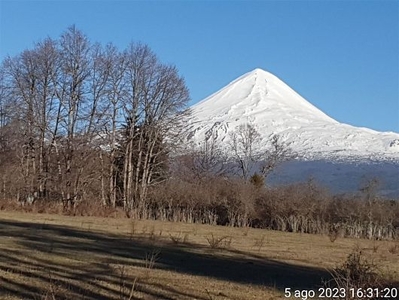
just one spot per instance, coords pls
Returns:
(262, 99)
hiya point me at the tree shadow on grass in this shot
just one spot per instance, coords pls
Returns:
(82, 262)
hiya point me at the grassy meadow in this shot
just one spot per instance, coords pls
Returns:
(46, 256)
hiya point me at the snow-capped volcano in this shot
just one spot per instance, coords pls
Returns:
(263, 100)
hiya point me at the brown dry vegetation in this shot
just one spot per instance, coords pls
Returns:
(87, 129)
(60, 257)
(92, 134)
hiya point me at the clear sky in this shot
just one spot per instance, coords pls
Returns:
(342, 56)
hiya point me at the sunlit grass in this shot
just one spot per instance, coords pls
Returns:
(44, 256)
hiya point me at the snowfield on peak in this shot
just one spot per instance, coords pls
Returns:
(263, 100)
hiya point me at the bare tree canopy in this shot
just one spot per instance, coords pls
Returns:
(252, 154)
(92, 121)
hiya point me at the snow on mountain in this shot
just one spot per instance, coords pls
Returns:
(337, 155)
(262, 99)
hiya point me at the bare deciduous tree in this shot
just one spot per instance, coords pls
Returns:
(201, 164)
(71, 92)
(116, 94)
(252, 153)
(244, 142)
(275, 155)
(157, 98)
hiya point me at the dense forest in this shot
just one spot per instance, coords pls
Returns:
(87, 128)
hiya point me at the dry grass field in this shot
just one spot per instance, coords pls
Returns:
(60, 257)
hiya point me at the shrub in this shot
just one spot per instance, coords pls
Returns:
(257, 180)
(356, 273)
(219, 242)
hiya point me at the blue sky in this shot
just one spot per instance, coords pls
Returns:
(342, 56)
